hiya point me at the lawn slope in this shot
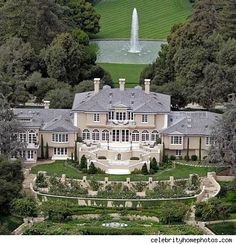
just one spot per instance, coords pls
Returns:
(156, 17)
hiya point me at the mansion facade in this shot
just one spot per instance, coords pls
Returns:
(114, 118)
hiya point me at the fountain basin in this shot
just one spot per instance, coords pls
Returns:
(117, 51)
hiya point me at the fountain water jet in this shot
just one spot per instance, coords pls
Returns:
(134, 42)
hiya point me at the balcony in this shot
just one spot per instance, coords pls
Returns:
(121, 123)
(34, 145)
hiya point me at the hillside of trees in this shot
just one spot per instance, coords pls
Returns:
(199, 62)
(45, 52)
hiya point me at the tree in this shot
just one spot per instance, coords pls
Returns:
(144, 169)
(153, 165)
(47, 152)
(174, 213)
(187, 155)
(24, 207)
(11, 178)
(223, 136)
(57, 210)
(35, 21)
(75, 152)
(64, 59)
(18, 58)
(83, 163)
(200, 149)
(42, 147)
(92, 169)
(9, 129)
(60, 97)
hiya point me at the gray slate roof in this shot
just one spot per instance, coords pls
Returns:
(191, 123)
(133, 99)
(58, 120)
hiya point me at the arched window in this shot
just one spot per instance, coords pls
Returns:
(135, 135)
(86, 134)
(145, 135)
(95, 135)
(154, 135)
(105, 135)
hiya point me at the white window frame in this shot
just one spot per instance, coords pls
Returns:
(86, 134)
(176, 140)
(30, 154)
(32, 137)
(23, 137)
(96, 117)
(145, 135)
(60, 138)
(105, 135)
(135, 136)
(60, 151)
(95, 135)
(155, 135)
(144, 118)
(209, 141)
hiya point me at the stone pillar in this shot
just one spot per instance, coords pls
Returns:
(172, 181)
(106, 180)
(150, 183)
(190, 179)
(84, 179)
(128, 181)
(63, 179)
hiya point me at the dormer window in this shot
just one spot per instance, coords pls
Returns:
(96, 117)
(176, 140)
(130, 116)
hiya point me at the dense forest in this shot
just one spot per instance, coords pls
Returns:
(45, 52)
(199, 62)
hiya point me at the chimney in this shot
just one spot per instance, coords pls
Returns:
(46, 104)
(96, 85)
(147, 85)
(122, 84)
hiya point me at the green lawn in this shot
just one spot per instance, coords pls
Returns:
(131, 72)
(223, 228)
(156, 17)
(181, 171)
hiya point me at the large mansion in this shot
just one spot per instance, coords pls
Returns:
(116, 125)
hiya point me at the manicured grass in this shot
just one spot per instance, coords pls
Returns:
(10, 222)
(131, 72)
(223, 228)
(180, 171)
(156, 17)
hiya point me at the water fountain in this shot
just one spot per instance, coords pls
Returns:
(134, 41)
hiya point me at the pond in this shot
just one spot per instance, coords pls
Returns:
(117, 51)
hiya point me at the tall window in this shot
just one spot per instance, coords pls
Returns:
(59, 137)
(144, 118)
(178, 152)
(105, 135)
(96, 117)
(30, 154)
(60, 151)
(145, 135)
(154, 135)
(32, 136)
(111, 115)
(120, 116)
(130, 116)
(22, 137)
(209, 140)
(86, 134)
(95, 135)
(176, 140)
(135, 135)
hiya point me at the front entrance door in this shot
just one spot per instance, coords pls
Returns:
(120, 135)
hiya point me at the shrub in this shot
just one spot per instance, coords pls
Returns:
(194, 157)
(136, 171)
(134, 158)
(172, 157)
(153, 166)
(57, 210)
(83, 164)
(186, 158)
(102, 157)
(24, 207)
(41, 181)
(144, 169)
(180, 157)
(92, 169)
